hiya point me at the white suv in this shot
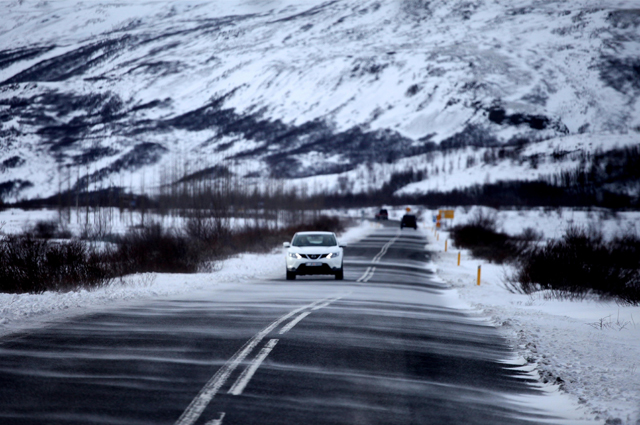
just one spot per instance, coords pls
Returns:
(314, 253)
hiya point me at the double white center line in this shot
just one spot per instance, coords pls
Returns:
(193, 412)
(211, 388)
(384, 250)
(246, 376)
(368, 274)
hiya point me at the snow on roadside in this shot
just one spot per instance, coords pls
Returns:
(19, 312)
(590, 349)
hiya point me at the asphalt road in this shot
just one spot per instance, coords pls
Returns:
(388, 345)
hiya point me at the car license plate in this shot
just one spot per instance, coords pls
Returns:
(314, 264)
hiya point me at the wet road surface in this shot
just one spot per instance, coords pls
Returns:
(388, 345)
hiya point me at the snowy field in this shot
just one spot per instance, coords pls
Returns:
(587, 349)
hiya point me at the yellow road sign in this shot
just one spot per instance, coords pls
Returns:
(447, 214)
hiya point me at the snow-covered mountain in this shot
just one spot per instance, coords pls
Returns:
(142, 92)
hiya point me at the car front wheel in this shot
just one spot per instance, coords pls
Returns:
(340, 274)
(291, 275)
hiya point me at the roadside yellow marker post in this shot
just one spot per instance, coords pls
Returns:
(458, 257)
(445, 244)
(438, 237)
(479, 268)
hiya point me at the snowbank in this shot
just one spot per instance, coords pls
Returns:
(590, 349)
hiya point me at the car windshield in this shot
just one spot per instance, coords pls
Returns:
(314, 240)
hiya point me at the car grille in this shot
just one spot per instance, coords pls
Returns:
(313, 256)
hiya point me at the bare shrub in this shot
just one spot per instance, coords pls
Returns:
(484, 220)
(471, 161)
(323, 223)
(581, 263)
(48, 229)
(154, 249)
(481, 236)
(256, 239)
(28, 264)
(45, 229)
(608, 323)
(209, 230)
(529, 234)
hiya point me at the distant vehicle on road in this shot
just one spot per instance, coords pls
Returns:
(311, 253)
(409, 220)
(383, 214)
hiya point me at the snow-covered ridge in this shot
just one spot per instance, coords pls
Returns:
(120, 90)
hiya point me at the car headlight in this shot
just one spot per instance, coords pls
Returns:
(333, 255)
(294, 255)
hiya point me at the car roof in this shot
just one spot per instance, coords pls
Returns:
(314, 233)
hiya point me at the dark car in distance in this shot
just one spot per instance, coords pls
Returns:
(409, 220)
(383, 214)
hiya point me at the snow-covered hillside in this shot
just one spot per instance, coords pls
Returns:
(127, 92)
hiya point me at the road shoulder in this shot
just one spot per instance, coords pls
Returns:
(587, 349)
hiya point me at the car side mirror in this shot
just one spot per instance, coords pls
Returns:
(342, 245)
(286, 244)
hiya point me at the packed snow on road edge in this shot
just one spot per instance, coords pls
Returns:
(589, 349)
